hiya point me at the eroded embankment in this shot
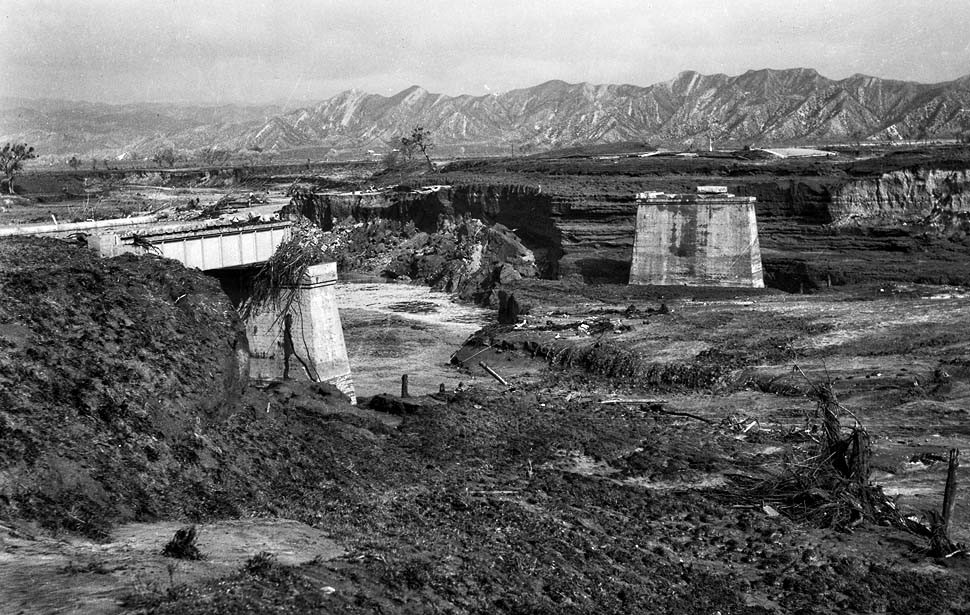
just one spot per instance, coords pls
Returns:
(122, 398)
(610, 362)
(568, 234)
(572, 231)
(906, 225)
(522, 208)
(914, 196)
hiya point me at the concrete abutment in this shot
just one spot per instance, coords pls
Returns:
(303, 338)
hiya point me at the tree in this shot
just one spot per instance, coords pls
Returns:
(12, 157)
(214, 156)
(166, 155)
(392, 159)
(74, 162)
(418, 141)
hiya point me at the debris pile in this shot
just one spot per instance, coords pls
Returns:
(275, 282)
(183, 545)
(830, 486)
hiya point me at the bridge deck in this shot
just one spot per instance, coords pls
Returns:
(219, 247)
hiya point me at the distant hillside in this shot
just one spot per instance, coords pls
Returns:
(67, 127)
(763, 106)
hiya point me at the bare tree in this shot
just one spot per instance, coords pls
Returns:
(12, 157)
(166, 155)
(418, 141)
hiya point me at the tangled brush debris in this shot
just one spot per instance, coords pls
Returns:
(182, 545)
(829, 485)
(275, 282)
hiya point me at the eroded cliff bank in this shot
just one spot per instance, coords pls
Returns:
(805, 221)
(561, 231)
(914, 196)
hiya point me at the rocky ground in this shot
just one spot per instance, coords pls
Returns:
(652, 450)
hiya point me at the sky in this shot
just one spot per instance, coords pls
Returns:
(296, 51)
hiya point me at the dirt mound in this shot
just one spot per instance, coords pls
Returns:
(121, 398)
(469, 258)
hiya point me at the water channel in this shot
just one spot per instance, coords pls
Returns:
(394, 329)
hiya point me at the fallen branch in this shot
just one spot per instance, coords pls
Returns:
(455, 359)
(500, 492)
(633, 401)
(659, 409)
(492, 373)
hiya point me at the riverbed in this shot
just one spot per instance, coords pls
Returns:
(394, 329)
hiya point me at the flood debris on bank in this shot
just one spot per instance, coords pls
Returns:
(696, 489)
(537, 499)
(469, 258)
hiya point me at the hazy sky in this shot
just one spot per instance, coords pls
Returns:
(299, 50)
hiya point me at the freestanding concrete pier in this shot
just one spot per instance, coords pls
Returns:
(302, 340)
(704, 239)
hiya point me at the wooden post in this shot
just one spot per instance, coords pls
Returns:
(940, 543)
(950, 491)
(404, 385)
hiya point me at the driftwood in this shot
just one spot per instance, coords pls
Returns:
(456, 361)
(183, 546)
(657, 406)
(493, 374)
(828, 486)
(659, 409)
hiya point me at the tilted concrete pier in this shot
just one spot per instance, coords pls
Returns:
(706, 239)
(304, 339)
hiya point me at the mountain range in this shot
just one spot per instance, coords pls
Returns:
(759, 107)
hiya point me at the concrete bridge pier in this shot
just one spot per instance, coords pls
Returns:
(304, 340)
(696, 240)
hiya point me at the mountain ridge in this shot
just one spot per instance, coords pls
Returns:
(759, 106)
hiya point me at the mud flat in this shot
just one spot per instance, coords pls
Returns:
(42, 575)
(623, 471)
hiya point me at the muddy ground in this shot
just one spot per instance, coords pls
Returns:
(633, 462)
